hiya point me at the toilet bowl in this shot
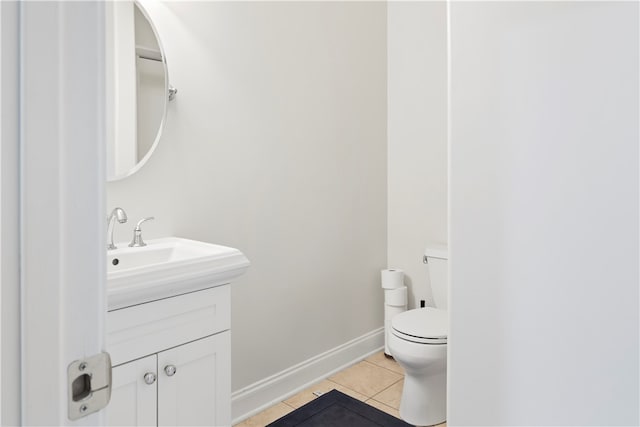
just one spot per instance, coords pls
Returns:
(418, 342)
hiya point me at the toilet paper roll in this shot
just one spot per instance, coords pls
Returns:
(392, 278)
(390, 312)
(396, 297)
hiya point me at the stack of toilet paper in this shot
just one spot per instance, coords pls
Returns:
(395, 299)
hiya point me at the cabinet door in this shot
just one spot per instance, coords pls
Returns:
(195, 383)
(133, 401)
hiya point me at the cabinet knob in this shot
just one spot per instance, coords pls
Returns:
(149, 378)
(170, 370)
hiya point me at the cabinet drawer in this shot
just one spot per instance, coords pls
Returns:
(137, 331)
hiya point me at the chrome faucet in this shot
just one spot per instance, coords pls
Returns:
(137, 234)
(121, 216)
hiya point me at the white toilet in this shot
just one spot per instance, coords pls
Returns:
(418, 342)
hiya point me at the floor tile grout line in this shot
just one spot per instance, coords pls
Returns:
(348, 388)
(334, 388)
(379, 366)
(390, 385)
(383, 390)
(366, 396)
(345, 386)
(384, 404)
(355, 391)
(374, 365)
(290, 406)
(394, 412)
(384, 367)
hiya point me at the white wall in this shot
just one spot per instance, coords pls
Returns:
(417, 138)
(9, 216)
(544, 214)
(276, 145)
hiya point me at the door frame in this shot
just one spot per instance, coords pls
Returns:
(9, 216)
(62, 201)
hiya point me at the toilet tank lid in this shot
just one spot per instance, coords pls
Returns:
(437, 251)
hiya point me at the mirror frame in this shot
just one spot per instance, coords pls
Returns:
(145, 159)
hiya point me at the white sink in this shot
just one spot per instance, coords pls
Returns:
(168, 267)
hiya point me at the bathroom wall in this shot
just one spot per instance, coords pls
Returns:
(544, 214)
(10, 387)
(276, 145)
(417, 135)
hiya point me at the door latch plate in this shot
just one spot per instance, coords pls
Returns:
(89, 385)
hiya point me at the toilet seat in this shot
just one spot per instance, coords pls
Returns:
(423, 326)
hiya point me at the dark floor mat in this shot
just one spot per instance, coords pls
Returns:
(335, 409)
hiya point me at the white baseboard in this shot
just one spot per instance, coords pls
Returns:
(271, 390)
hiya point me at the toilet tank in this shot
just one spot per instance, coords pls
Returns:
(436, 257)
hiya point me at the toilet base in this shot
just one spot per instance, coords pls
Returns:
(424, 399)
(424, 395)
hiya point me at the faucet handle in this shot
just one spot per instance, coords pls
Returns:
(137, 234)
(149, 218)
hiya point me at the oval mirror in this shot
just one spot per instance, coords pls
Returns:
(137, 88)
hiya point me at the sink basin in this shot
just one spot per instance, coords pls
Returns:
(168, 267)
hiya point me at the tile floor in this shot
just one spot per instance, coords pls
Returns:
(376, 380)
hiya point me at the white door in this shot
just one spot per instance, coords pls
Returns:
(9, 214)
(133, 399)
(194, 383)
(62, 182)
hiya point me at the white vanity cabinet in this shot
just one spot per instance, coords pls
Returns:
(133, 401)
(172, 361)
(199, 393)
